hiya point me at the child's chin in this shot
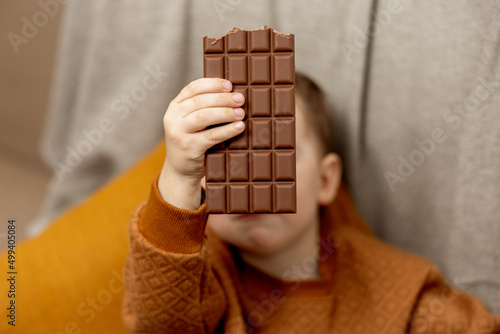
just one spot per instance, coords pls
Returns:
(261, 240)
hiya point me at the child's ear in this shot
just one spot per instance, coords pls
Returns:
(331, 176)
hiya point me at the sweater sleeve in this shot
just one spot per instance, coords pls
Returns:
(170, 284)
(441, 309)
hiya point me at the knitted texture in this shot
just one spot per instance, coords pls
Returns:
(365, 286)
(168, 289)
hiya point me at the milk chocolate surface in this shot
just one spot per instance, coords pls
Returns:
(255, 171)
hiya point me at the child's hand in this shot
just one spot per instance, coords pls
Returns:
(202, 103)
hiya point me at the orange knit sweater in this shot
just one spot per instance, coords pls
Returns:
(182, 279)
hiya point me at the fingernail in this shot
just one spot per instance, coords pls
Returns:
(239, 112)
(238, 97)
(239, 126)
(227, 85)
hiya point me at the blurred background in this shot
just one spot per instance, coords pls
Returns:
(25, 80)
(455, 49)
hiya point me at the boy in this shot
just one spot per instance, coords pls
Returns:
(317, 271)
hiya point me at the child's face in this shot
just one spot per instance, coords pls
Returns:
(266, 234)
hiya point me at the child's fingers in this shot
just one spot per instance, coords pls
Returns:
(200, 119)
(213, 100)
(213, 136)
(203, 86)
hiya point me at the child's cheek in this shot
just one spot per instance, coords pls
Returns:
(219, 224)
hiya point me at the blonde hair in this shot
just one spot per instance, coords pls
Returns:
(316, 111)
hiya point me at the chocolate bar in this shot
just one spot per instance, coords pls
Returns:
(254, 172)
